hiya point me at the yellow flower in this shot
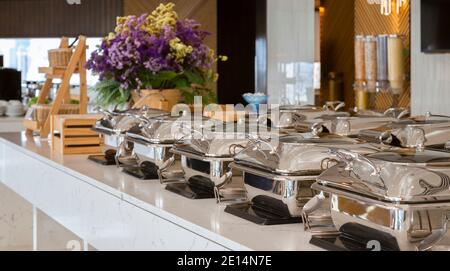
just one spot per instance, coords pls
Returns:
(216, 77)
(111, 36)
(179, 50)
(122, 23)
(121, 20)
(162, 16)
(223, 58)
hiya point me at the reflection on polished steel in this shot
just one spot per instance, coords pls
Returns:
(214, 169)
(114, 125)
(285, 169)
(153, 141)
(411, 133)
(402, 196)
(293, 191)
(298, 154)
(287, 117)
(207, 153)
(351, 125)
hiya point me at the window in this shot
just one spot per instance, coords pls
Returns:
(27, 55)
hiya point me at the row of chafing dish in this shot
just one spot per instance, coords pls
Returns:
(383, 177)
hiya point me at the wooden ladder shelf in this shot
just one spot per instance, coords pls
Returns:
(76, 65)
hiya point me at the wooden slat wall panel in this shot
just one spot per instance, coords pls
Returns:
(56, 18)
(369, 21)
(337, 46)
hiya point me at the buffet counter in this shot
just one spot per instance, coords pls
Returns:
(114, 211)
(11, 124)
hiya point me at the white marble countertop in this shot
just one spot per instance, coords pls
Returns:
(11, 124)
(203, 217)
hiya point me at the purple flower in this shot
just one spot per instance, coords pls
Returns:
(132, 55)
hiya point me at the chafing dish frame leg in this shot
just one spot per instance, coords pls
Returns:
(237, 195)
(124, 148)
(165, 168)
(320, 225)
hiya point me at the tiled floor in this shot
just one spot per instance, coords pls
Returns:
(16, 227)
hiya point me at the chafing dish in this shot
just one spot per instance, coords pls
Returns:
(114, 125)
(278, 174)
(205, 156)
(398, 198)
(152, 143)
(415, 132)
(351, 125)
(287, 117)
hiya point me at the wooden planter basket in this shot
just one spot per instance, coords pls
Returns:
(59, 57)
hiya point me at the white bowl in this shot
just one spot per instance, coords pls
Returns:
(15, 110)
(15, 102)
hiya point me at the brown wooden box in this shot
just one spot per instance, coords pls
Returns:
(73, 134)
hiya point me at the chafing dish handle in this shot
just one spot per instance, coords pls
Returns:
(273, 151)
(349, 157)
(234, 147)
(398, 113)
(317, 128)
(334, 106)
(104, 112)
(139, 117)
(387, 138)
(434, 237)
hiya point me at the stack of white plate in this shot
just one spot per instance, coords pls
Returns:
(14, 108)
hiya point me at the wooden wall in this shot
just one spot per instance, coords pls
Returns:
(56, 18)
(337, 46)
(369, 21)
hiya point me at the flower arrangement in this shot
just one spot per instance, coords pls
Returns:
(155, 51)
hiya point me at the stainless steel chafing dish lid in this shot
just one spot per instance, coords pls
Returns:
(346, 126)
(220, 141)
(121, 121)
(395, 112)
(411, 133)
(165, 130)
(297, 155)
(398, 176)
(332, 106)
(290, 115)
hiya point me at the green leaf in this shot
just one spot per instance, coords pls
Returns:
(181, 82)
(194, 77)
(109, 93)
(165, 75)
